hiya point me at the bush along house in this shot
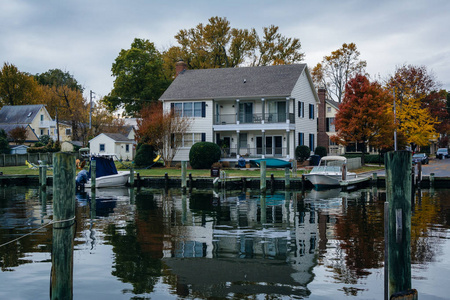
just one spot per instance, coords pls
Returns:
(254, 112)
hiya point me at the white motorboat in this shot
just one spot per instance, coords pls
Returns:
(106, 174)
(331, 171)
(114, 180)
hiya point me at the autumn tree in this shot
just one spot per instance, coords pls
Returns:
(64, 99)
(218, 45)
(17, 88)
(364, 116)
(420, 105)
(336, 69)
(162, 130)
(139, 77)
(18, 135)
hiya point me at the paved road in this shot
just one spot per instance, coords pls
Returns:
(440, 168)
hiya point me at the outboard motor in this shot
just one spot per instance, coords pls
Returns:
(81, 179)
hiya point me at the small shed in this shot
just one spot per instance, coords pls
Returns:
(19, 149)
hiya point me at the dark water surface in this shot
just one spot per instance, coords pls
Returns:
(149, 244)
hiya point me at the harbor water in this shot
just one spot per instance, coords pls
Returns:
(156, 244)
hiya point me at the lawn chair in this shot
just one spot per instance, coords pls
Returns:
(31, 165)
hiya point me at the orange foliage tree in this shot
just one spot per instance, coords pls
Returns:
(159, 128)
(364, 115)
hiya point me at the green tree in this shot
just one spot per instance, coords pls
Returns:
(365, 115)
(217, 45)
(58, 78)
(336, 69)
(17, 88)
(4, 145)
(139, 77)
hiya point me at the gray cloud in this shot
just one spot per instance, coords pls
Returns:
(84, 37)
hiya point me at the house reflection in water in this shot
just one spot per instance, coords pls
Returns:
(244, 244)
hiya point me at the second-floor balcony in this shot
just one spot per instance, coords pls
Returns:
(47, 124)
(257, 118)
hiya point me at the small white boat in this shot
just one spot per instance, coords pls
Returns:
(331, 171)
(119, 179)
(106, 174)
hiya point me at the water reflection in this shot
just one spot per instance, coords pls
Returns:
(224, 245)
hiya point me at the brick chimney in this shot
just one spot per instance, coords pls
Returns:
(322, 136)
(180, 67)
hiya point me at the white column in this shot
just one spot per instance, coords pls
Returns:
(288, 137)
(287, 110)
(237, 111)
(263, 102)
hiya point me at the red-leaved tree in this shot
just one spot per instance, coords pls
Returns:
(364, 116)
(159, 128)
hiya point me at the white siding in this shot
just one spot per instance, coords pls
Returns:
(198, 125)
(304, 92)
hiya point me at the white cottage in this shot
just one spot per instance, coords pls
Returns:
(250, 111)
(115, 144)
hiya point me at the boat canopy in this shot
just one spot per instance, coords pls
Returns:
(341, 158)
(104, 166)
(272, 163)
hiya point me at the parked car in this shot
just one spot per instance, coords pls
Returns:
(442, 153)
(420, 157)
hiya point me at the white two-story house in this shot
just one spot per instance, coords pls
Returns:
(250, 111)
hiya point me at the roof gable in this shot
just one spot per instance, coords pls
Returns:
(20, 114)
(264, 81)
(116, 137)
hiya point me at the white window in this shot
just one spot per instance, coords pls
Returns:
(42, 131)
(127, 148)
(102, 148)
(68, 131)
(328, 109)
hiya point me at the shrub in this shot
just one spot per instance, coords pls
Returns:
(321, 151)
(302, 152)
(203, 154)
(145, 154)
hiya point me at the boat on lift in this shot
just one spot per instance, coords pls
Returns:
(106, 174)
(331, 171)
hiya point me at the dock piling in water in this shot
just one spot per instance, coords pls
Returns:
(262, 184)
(63, 226)
(398, 189)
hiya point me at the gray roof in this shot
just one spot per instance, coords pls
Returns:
(244, 82)
(19, 114)
(333, 103)
(118, 137)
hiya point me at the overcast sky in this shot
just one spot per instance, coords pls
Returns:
(84, 37)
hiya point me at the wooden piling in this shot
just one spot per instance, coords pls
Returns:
(191, 182)
(131, 176)
(43, 176)
(183, 175)
(63, 228)
(93, 174)
(287, 183)
(262, 182)
(166, 181)
(398, 190)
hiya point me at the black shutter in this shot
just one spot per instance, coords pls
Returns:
(203, 137)
(172, 107)
(203, 109)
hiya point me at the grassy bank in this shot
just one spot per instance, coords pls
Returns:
(157, 172)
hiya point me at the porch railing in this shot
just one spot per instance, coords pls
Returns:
(224, 119)
(254, 152)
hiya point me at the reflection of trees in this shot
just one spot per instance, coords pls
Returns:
(425, 239)
(361, 235)
(16, 204)
(138, 246)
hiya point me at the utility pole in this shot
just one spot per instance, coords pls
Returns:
(90, 109)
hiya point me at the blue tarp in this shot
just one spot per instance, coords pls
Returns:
(104, 167)
(272, 163)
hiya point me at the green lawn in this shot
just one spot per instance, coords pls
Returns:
(156, 172)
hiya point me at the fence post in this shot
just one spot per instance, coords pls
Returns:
(63, 226)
